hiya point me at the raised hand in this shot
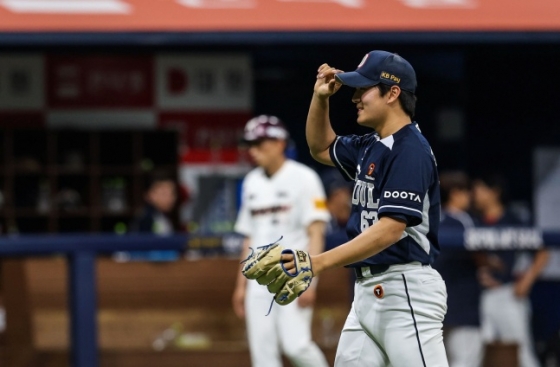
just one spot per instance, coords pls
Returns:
(326, 84)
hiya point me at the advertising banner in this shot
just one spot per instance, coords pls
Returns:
(277, 15)
(99, 81)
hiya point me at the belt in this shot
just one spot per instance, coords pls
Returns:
(371, 269)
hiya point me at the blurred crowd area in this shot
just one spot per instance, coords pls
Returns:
(495, 296)
(146, 140)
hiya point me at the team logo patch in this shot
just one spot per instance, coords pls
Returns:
(378, 291)
(320, 204)
(363, 61)
(370, 169)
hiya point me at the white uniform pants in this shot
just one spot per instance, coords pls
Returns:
(506, 318)
(287, 330)
(464, 346)
(395, 320)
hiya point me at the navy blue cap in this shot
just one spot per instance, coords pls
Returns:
(381, 67)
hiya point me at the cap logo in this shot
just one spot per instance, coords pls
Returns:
(363, 61)
(391, 77)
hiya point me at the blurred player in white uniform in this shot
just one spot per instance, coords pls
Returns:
(280, 198)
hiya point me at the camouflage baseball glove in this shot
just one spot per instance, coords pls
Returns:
(266, 266)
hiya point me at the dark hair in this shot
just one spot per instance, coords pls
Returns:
(157, 177)
(333, 181)
(407, 99)
(452, 180)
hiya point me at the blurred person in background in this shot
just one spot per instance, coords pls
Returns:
(339, 204)
(280, 198)
(505, 306)
(339, 199)
(458, 267)
(160, 199)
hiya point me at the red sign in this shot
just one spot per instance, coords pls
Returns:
(279, 15)
(207, 130)
(207, 136)
(92, 82)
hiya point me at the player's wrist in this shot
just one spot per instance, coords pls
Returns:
(317, 265)
(321, 97)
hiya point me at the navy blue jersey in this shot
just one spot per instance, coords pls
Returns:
(458, 268)
(507, 257)
(397, 177)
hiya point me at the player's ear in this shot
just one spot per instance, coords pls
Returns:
(394, 94)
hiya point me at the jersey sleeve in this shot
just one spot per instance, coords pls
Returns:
(243, 222)
(344, 154)
(404, 196)
(313, 202)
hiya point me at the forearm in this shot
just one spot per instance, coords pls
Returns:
(538, 265)
(318, 130)
(316, 233)
(372, 241)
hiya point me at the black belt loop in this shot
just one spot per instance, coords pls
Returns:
(374, 269)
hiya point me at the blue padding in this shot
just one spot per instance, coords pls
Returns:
(269, 38)
(28, 245)
(476, 239)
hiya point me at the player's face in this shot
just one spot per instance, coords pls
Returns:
(266, 151)
(339, 204)
(163, 195)
(461, 198)
(372, 107)
(483, 196)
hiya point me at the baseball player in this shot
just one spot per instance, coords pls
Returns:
(280, 198)
(458, 267)
(505, 305)
(400, 301)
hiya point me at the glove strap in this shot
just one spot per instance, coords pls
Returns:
(270, 308)
(290, 251)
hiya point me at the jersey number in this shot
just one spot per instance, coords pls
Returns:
(366, 217)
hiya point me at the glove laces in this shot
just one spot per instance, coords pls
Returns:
(263, 248)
